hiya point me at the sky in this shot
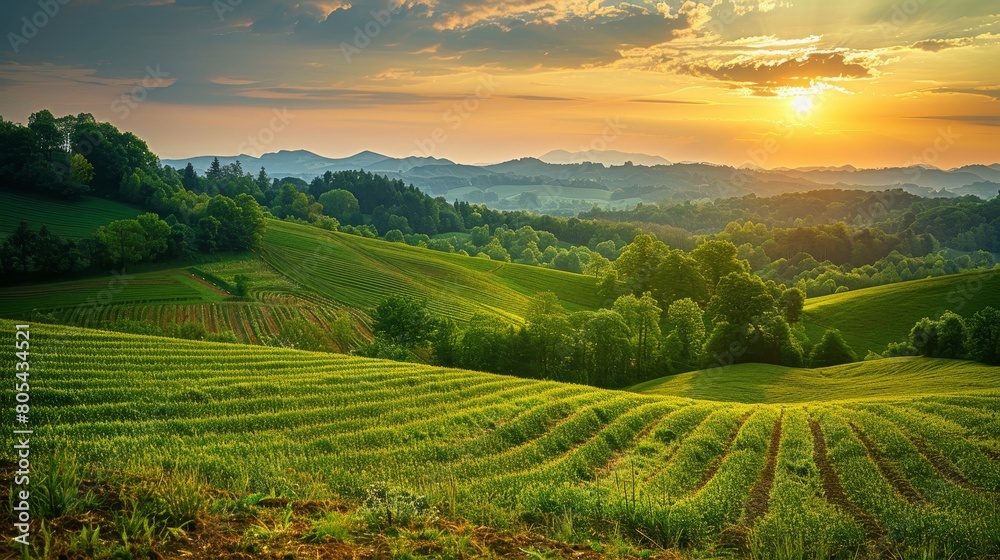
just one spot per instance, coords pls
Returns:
(771, 83)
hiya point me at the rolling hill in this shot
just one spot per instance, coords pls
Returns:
(360, 272)
(871, 318)
(228, 425)
(66, 218)
(874, 379)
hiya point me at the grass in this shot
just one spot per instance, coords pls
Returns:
(360, 272)
(172, 285)
(871, 318)
(875, 379)
(417, 452)
(78, 218)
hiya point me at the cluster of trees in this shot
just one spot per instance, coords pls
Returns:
(669, 311)
(27, 254)
(952, 336)
(70, 156)
(787, 210)
(524, 245)
(820, 279)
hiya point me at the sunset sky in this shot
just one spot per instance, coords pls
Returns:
(770, 82)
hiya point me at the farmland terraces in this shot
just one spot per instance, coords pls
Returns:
(172, 297)
(898, 475)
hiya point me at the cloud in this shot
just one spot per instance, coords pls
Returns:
(935, 45)
(981, 120)
(991, 92)
(668, 101)
(801, 71)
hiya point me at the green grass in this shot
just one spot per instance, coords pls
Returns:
(871, 318)
(360, 273)
(172, 285)
(887, 378)
(78, 218)
(657, 470)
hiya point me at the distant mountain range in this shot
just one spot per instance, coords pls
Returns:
(606, 157)
(566, 182)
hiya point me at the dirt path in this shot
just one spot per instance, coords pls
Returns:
(889, 470)
(760, 494)
(832, 488)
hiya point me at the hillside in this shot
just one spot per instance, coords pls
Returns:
(227, 425)
(360, 272)
(875, 379)
(871, 318)
(65, 218)
(168, 298)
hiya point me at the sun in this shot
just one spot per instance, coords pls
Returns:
(803, 104)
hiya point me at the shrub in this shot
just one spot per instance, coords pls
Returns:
(832, 350)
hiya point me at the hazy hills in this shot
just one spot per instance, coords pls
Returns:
(564, 182)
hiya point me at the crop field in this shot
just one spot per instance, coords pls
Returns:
(897, 475)
(889, 377)
(84, 295)
(66, 218)
(871, 318)
(360, 272)
(175, 296)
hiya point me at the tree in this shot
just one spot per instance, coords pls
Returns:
(832, 350)
(718, 259)
(943, 338)
(241, 285)
(214, 170)
(983, 336)
(341, 204)
(677, 277)
(688, 323)
(81, 172)
(125, 240)
(156, 235)
(605, 342)
(740, 299)
(20, 246)
(642, 315)
(394, 236)
(444, 341)
(402, 320)
(791, 302)
(480, 235)
(48, 139)
(638, 260)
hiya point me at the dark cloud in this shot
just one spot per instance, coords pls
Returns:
(935, 45)
(981, 120)
(542, 98)
(789, 72)
(670, 101)
(992, 93)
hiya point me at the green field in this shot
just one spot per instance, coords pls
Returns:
(360, 272)
(871, 318)
(174, 285)
(78, 218)
(827, 478)
(172, 297)
(875, 379)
